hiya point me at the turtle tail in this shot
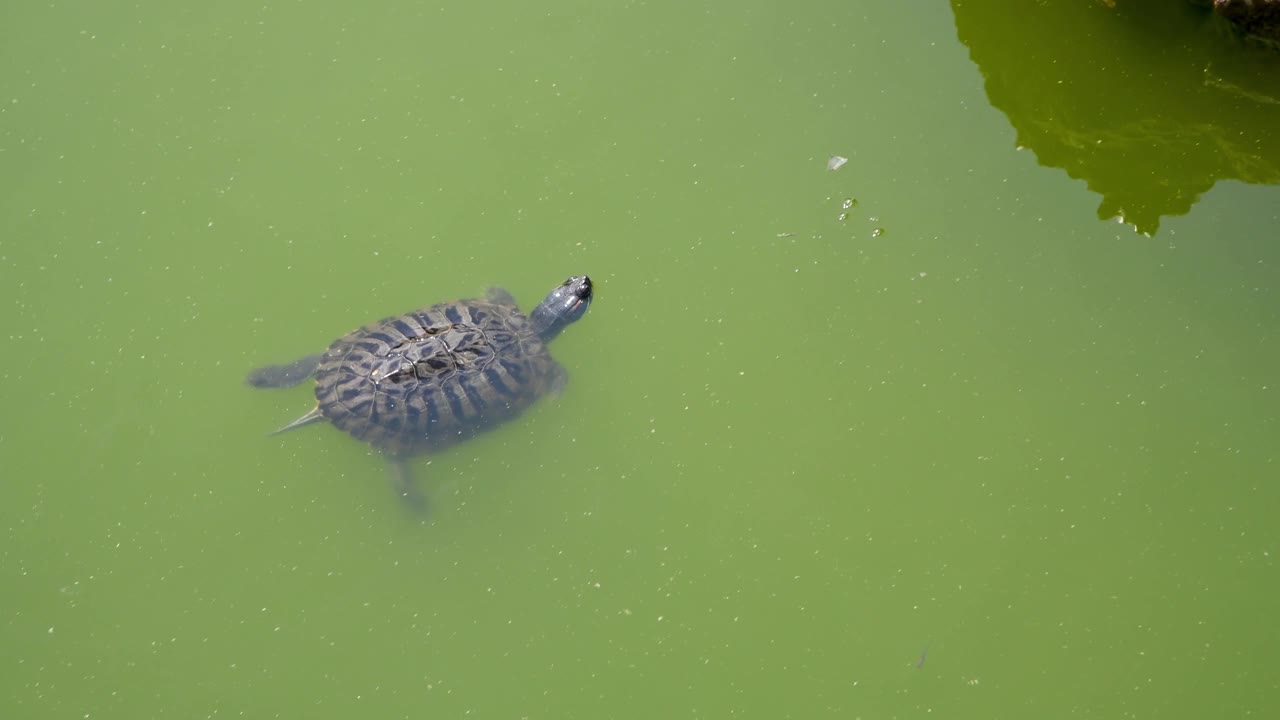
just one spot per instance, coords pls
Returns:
(314, 416)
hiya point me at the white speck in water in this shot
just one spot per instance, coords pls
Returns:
(836, 162)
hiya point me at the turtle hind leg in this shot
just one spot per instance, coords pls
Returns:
(283, 376)
(406, 489)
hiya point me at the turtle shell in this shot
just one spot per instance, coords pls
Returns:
(427, 379)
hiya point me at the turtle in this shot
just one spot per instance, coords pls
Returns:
(422, 381)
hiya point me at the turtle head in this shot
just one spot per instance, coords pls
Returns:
(566, 303)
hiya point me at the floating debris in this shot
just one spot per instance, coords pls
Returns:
(877, 232)
(842, 217)
(836, 162)
(786, 235)
(848, 203)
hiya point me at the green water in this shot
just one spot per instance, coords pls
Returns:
(791, 454)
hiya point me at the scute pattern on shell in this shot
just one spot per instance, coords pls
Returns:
(424, 380)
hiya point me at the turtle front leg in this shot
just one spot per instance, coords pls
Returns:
(499, 296)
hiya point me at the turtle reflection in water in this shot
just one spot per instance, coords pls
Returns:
(420, 382)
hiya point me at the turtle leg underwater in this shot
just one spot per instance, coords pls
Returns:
(283, 376)
(499, 296)
(557, 379)
(402, 483)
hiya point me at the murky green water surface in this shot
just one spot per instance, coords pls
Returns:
(792, 453)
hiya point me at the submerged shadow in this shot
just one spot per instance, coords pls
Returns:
(1150, 102)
